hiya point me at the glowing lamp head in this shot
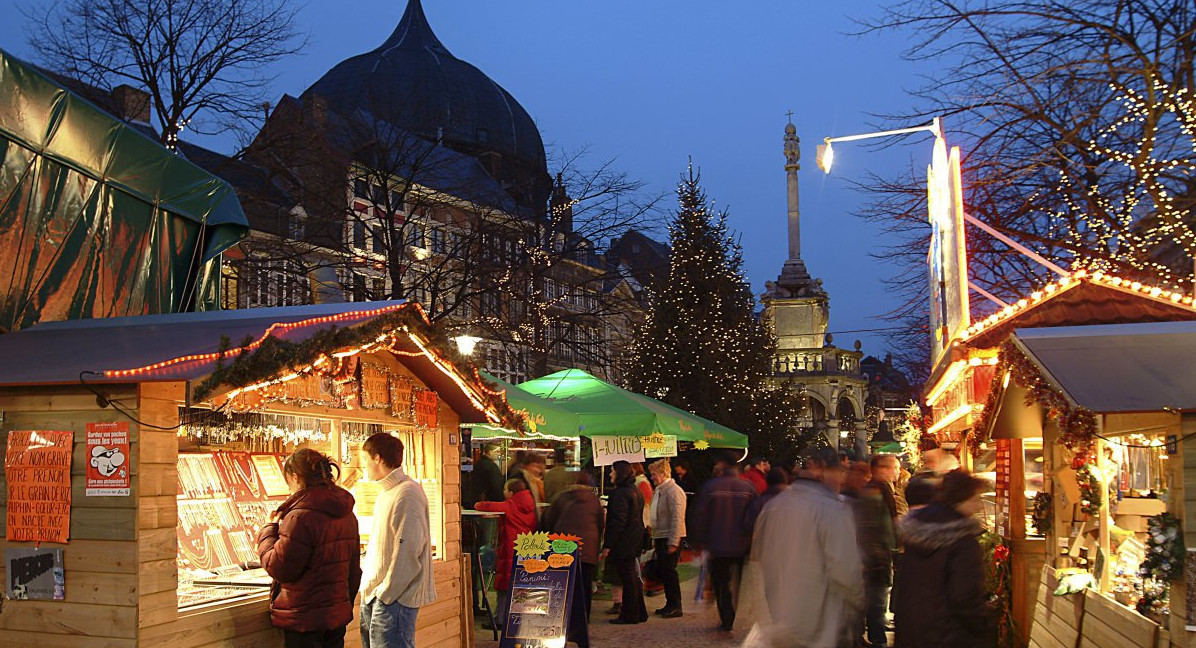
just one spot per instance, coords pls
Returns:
(825, 156)
(467, 343)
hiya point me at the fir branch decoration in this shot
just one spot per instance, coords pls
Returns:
(236, 367)
(1077, 425)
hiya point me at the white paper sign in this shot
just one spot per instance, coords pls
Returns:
(609, 449)
(669, 449)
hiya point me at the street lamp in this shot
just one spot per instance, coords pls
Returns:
(949, 285)
(467, 343)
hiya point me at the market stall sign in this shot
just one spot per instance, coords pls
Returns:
(542, 583)
(661, 446)
(38, 470)
(34, 574)
(427, 408)
(609, 449)
(108, 460)
(375, 386)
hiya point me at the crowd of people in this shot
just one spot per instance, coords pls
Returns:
(848, 553)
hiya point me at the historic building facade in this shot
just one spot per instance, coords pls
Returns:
(407, 173)
(797, 309)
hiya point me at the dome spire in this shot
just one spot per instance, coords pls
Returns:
(414, 31)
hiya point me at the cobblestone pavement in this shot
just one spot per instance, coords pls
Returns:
(697, 629)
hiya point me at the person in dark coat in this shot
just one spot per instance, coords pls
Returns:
(577, 511)
(718, 526)
(625, 541)
(311, 550)
(944, 566)
(484, 485)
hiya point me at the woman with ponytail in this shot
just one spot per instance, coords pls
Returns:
(311, 550)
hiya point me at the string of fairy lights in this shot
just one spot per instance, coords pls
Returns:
(1130, 210)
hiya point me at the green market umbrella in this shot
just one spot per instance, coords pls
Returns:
(607, 410)
(545, 419)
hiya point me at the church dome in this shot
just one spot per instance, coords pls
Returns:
(413, 82)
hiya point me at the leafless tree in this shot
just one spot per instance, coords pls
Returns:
(1077, 121)
(203, 62)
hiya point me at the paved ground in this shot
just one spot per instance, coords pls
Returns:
(697, 629)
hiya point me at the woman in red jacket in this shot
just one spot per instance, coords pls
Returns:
(519, 517)
(312, 551)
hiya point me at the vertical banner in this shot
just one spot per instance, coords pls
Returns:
(34, 574)
(37, 465)
(107, 459)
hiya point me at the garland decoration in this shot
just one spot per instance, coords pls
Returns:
(1090, 489)
(999, 581)
(325, 354)
(1042, 515)
(1165, 554)
(1163, 565)
(1077, 425)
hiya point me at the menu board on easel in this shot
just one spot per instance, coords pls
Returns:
(542, 581)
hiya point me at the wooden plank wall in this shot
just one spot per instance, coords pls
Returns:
(1057, 619)
(101, 558)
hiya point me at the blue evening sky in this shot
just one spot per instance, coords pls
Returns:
(651, 82)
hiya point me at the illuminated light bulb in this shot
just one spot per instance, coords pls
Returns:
(1022, 303)
(1176, 297)
(1036, 295)
(1050, 288)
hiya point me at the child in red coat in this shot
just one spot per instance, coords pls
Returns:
(519, 511)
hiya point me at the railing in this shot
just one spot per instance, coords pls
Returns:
(817, 361)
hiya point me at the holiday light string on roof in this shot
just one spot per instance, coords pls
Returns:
(1064, 284)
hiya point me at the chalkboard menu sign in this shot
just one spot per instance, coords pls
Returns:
(542, 583)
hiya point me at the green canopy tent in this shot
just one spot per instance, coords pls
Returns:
(607, 410)
(545, 419)
(97, 219)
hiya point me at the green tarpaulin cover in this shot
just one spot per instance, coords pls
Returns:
(545, 419)
(96, 218)
(607, 410)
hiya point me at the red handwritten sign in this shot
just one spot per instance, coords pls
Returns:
(37, 466)
(427, 408)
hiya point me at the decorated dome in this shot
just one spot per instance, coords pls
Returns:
(413, 82)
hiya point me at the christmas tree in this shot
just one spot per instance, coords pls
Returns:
(701, 347)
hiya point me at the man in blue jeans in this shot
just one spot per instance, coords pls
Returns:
(397, 574)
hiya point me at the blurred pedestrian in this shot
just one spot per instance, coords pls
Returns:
(531, 471)
(806, 550)
(881, 545)
(558, 478)
(941, 580)
(718, 523)
(625, 540)
(578, 511)
(685, 478)
(757, 474)
(519, 516)
(777, 481)
(310, 550)
(668, 528)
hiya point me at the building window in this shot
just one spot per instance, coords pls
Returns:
(361, 189)
(436, 241)
(483, 136)
(281, 283)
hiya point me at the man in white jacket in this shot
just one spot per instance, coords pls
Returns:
(806, 552)
(397, 574)
(668, 528)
